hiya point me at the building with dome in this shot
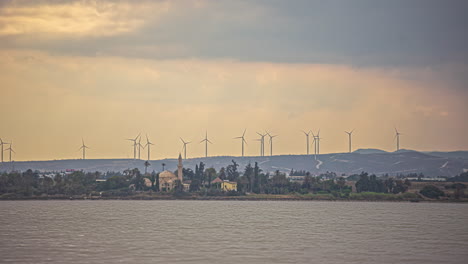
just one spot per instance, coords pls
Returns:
(167, 179)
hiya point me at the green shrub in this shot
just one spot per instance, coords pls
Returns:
(432, 191)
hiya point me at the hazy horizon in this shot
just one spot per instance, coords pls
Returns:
(106, 71)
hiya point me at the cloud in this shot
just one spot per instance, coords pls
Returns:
(104, 70)
(76, 18)
(363, 33)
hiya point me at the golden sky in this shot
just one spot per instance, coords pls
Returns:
(108, 70)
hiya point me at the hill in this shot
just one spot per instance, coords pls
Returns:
(349, 163)
(369, 151)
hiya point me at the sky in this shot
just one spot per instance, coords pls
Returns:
(105, 71)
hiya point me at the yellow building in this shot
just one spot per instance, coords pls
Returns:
(228, 186)
(225, 185)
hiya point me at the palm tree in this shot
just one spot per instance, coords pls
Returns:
(147, 164)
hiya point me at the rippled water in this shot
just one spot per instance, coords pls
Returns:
(232, 232)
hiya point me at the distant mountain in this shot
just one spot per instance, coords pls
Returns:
(451, 154)
(369, 151)
(404, 150)
(378, 162)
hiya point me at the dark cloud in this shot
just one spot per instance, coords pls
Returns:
(361, 33)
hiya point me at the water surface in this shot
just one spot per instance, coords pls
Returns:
(232, 232)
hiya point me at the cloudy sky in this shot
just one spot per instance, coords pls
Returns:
(108, 70)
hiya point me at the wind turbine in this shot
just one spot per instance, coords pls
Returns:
(397, 137)
(185, 147)
(307, 139)
(148, 144)
(242, 141)
(10, 149)
(1, 144)
(134, 144)
(83, 147)
(139, 148)
(271, 143)
(349, 135)
(262, 144)
(206, 140)
(316, 143)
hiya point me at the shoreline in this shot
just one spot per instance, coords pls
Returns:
(224, 198)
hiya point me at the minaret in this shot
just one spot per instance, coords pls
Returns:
(179, 169)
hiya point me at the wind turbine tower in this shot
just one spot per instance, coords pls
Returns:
(148, 144)
(139, 148)
(1, 145)
(242, 141)
(316, 143)
(397, 137)
(271, 143)
(185, 147)
(10, 149)
(307, 140)
(83, 147)
(349, 136)
(206, 140)
(262, 144)
(134, 140)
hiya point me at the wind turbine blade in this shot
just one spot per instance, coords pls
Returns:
(202, 141)
(209, 141)
(236, 137)
(244, 132)
(137, 137)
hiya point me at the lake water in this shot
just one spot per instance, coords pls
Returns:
(232, 232)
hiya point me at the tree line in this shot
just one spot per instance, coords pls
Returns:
(251, 179)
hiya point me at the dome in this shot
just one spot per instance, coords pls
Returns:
(167, 175)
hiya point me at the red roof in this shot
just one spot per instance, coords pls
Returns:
(217, 180)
